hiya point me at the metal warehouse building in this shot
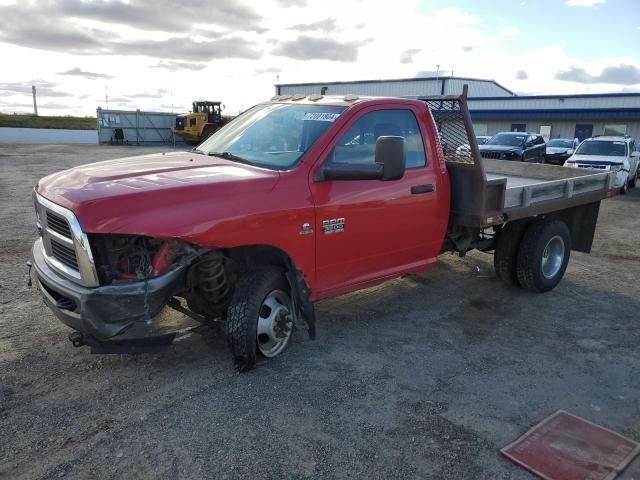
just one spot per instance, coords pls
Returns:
(403, 87)
(495, 109)
(564, 116)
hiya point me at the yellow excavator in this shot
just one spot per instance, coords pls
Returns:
(203, 121)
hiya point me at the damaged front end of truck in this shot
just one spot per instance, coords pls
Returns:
(109, 287)
(101, 285)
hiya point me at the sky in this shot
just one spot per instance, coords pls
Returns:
(164, 54)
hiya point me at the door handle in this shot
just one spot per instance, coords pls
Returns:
(417, 189)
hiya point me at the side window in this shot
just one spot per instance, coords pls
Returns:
(538, 140)
(358, 144)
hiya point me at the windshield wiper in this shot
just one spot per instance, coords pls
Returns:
(229, 156)
(197, 150)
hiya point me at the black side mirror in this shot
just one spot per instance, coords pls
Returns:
(391, 153)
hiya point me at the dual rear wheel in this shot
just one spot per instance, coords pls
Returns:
(533, 256)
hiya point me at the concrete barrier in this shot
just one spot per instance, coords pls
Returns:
(47, 135)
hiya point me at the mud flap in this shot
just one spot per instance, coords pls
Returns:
(300, 298)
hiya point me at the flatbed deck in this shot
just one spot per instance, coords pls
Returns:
(488, 191)
(532, 185)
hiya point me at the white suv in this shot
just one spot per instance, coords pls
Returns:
(609, 153)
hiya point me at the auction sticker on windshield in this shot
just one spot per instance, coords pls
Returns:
(321, 116)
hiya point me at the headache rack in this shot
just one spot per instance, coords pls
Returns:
(488, 191)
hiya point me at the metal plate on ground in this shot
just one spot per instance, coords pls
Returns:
(566, 447)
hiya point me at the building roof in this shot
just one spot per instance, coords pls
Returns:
(557, 96)
(394, 80)
(588, 106)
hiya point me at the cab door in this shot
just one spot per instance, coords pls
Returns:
(368, 230)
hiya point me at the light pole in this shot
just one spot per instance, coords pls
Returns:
(35, 104)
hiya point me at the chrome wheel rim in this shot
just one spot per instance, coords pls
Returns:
(275, 323)
(552, 257)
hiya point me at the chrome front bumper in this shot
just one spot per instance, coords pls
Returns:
(103, 312)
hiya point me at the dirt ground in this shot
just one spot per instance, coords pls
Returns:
(423, 377)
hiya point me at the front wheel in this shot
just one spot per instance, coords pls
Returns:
(207, 131)
(625, 186)
(634, 180)
(260, 317)
(543, 255)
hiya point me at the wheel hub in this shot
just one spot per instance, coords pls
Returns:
(275, 323)
(552, 257)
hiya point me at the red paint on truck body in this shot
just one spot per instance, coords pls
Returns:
(214, 202)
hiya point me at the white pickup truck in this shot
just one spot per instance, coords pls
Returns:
(617, 154)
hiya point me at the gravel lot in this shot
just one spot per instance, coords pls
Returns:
(423, 377)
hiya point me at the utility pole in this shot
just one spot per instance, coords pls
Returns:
(106, 97)
(35, 104)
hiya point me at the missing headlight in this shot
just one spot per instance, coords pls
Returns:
(133, 257)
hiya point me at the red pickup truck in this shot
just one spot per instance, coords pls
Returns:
(298, 199)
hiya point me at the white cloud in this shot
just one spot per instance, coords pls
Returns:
(585, 3)
(380, 40)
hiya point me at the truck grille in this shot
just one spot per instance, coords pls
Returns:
(65, 247)
(591, 165)
(65, 254)
(58, 224)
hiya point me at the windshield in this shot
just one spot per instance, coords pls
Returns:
(507, 139)
(607, 148)
(560, 143)
(272, 135)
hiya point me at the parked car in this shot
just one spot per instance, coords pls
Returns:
(515, 146)
(617, 154)
(292, 202)
(558, 150)
(463, 150)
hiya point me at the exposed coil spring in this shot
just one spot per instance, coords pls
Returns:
(213, 280)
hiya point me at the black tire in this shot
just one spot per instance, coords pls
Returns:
(505, 255)
(625, 187)
(633, 182)
(207, 131)
(535, 241)
(244, 309)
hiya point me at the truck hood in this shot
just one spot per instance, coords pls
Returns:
(499, 148)
(108, 196)
(556, 150)
(597, 159)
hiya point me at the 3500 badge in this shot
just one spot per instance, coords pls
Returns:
(334, 225)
